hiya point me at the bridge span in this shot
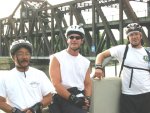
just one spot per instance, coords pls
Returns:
(44, 24)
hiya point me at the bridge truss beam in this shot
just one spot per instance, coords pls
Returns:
(44, 25)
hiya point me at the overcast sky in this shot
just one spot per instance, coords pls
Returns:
(8, 6)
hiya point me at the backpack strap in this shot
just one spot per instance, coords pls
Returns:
(124, 57)
(148, 53)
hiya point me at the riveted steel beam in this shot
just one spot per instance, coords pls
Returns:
(44, 25)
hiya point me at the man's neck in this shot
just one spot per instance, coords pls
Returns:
(22, 69)
(72, 52)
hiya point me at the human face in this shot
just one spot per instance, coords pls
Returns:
(135, 39)
(22, 58)
(74, 41)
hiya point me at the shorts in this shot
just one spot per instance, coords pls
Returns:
(135, 103)
(63, 106)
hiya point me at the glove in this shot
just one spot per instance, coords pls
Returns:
(87, 103)
(16, 110)
(88, 98)
(37, 108)
(78, 101)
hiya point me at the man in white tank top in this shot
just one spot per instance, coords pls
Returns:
(70, 75)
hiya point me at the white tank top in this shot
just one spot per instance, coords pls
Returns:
(73, 69)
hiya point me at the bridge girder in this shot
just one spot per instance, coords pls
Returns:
(44, 25)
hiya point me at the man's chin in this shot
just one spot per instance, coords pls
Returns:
(23, 65)
(135, 45)
(76, 49)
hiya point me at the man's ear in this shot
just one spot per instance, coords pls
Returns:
(83, 41)
(67, 40)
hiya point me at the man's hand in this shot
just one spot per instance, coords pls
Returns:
(78, 101)
(16, 110)
(87, 103)
(99, 74)
(36, 108)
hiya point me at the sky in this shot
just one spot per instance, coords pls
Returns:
(8, 6)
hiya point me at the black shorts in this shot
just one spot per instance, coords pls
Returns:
(60, 105)
(63, 106)
(135, 103)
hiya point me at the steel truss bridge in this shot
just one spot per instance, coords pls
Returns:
(44, 24)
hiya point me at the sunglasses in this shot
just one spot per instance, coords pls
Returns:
(76, 37)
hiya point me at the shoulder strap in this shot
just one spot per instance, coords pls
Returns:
(148, 53)
(124, 57)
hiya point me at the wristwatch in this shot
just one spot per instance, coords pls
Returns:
(98, 66)
(13, 110)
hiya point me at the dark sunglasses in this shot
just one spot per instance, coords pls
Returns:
(76, 37)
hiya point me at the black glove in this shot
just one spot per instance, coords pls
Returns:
(88, 98)
(37, 108)
(16, 110)
(88, 102)
(78, 101)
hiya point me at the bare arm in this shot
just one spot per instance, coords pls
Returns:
(55, 76)
(46, 100)
(88, 84)
(87, 89)
(99, 59)
(101, 56)
(4, 106)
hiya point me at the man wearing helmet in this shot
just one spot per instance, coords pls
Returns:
(135, 97)
(70, 75)
(25, 89)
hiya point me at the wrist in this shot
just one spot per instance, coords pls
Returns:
(13, 110)
(88, 97)
(36, 108)
(72, 98)
(98, 66)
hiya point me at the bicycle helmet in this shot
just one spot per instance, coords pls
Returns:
(16, 45)
(133, 27)
(77, 29)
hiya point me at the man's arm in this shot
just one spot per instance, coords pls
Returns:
(40, 105)
(46, 100)
(98, 63)
(4, 106)
(101, 56)
(55, 76)
(87, 90)
(88, 84)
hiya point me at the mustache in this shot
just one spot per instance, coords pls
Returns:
(21, 61)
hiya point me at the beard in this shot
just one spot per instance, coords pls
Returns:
(135, 45)
(76, 49)
(21, 64)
